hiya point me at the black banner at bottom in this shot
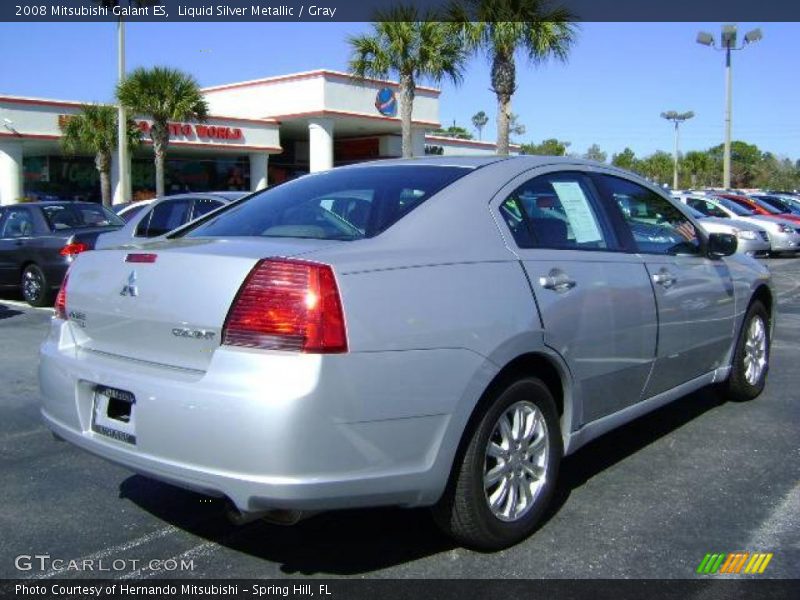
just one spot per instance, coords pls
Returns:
(406, 589)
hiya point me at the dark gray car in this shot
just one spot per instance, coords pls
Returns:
(36, 246)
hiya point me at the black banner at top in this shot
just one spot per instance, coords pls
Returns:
(373, 10)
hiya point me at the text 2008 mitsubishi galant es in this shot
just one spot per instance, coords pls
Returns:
(433, 332)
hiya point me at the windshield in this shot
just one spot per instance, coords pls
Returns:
(735, 208)
(767, 207)
(77, 216)
(342, 204)
(773, 204)
(695, 213)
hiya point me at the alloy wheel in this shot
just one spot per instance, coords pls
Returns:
(516, 459)
(755, 351)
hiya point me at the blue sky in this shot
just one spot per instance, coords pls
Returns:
(619, 78)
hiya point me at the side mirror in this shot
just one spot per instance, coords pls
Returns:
(721, 244)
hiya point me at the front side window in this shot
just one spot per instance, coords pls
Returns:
(341, 204)
(654, 223)
(557, 210)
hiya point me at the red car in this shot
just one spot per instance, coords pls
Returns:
(759, 208)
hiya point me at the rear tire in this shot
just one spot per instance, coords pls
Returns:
(503, 481)
(751, 358)
(35, 287)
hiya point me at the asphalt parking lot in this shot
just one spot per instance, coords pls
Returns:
(647, 501)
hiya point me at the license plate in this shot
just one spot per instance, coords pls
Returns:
(113, 414)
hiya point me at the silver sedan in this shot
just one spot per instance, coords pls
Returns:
(432, 332)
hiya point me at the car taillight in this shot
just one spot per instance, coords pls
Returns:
(61, 300)
(288, 305)
(74, 248)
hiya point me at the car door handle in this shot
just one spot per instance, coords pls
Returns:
(665, 278)
(557, 280)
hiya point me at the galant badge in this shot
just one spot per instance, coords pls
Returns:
(196, 334)
(130, 289)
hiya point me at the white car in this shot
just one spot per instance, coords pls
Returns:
(783, 235)
(158, 216)
(752, 238)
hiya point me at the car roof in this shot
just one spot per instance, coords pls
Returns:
(58, 203)
(475, 162)
(221, 195)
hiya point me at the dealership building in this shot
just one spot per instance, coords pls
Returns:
(260, 132)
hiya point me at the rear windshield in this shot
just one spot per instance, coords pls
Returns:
(131, 211)
(342, 204)
(76, 216)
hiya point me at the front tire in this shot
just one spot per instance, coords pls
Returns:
(504, 480)
(751, 357)
(35, 287)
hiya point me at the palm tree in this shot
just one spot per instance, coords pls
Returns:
(413, 48)
(501, 28)
(163, 94)
(94, 130)
(479, 120)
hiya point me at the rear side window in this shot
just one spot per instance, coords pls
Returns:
(164, 217)
(342, 204)
(76, 216)
(557, 210)
(18, 223)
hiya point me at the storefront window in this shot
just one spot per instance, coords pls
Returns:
(61, 178)
(76, 178)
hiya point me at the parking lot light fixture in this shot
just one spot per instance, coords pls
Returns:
(676, 118)
(727, 44)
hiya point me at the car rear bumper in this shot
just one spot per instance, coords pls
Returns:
(271, 430)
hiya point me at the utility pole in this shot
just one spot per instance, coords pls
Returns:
(676, 118)
(728, 43)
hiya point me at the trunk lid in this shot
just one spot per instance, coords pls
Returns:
(171, 311)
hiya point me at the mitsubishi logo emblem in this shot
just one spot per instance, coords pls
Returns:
(130, 289)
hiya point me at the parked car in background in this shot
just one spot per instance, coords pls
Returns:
(152, 218)
(776, 203)
(36, 246)
(784, 236)
(752, 239)
(791, 199)
(761, 208)
(426, 332)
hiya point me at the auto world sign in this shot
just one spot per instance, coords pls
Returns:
(197, 131)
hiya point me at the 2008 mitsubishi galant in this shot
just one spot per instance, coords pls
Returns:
(432, 332)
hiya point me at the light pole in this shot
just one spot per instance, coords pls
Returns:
(728, 43)
(676, 118)
(122, 121)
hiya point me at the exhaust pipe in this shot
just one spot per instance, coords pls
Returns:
(274, 516)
